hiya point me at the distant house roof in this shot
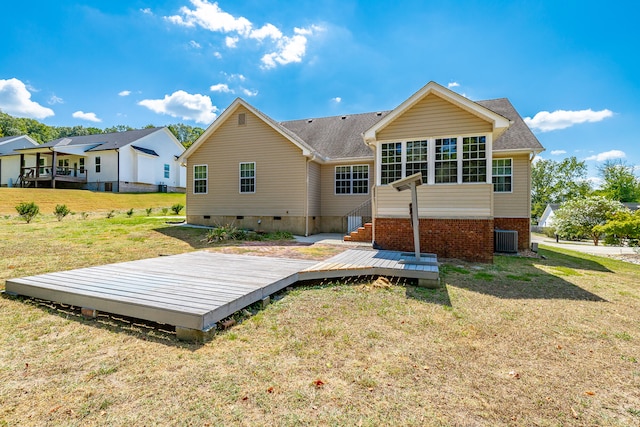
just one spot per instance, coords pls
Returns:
(7, 149)
(102, 141)
(145, 150)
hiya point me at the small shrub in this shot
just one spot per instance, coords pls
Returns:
(61, 211)
(130, 212)
(226, 232)
(84, 215)
(549, 232)
(28, 211)
(177, 208)
(148, 211)
(165, 211)
(111, 214)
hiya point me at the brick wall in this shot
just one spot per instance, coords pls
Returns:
(467, 239)
(521, 225)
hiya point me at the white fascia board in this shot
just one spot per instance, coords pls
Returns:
(497, 120)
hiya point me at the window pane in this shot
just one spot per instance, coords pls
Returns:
(417, 158)
(247, 177)
(391, 156)
(502, 175)
(200, 179)
(446, 164)
(474, 164)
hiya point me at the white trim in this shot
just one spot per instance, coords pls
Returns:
(510, 175)
(240, 178)
(478, 110)
(351, 180)
(206, 180)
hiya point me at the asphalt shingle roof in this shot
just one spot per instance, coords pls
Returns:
(340, 137)
(336, 137)
(104, 141)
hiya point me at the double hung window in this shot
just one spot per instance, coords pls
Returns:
(352, 179)
(248, 177)
(200, 175)
(502, 174)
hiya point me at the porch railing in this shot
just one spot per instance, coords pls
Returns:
(358, 217)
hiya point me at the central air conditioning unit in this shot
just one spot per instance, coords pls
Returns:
(505, 241)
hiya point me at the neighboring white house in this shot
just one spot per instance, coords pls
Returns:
(546, 219)
(10, 159)
(143, 160)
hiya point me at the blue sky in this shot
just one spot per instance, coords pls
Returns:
(570, 67)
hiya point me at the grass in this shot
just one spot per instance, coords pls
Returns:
(494, 350)
(84, 201)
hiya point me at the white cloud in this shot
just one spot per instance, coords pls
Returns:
(15, 100)
(607, 155)
(248, 92)
(595, 181)
(557, 152)
(55, 100)
(545, 121)
(267, 30)
(217, 55)
(124, 93)
(220, 87)
(181, 104)
(211, 17)
(146, 11)
(86, 116)
(237, 76)
(231, 42)
(337, 100)
(453, 84)
(194, 44)
(281, 49)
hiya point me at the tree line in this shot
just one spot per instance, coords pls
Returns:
(41, 133)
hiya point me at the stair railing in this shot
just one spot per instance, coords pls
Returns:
(358, 217)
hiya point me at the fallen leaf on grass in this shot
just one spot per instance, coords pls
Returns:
(318, 383)
(514, 374)
(590, 393)
(55, 409)
(270, 390)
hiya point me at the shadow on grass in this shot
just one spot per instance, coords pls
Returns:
(138, 328)
(437, 296)
(195, 237)
(521, 278)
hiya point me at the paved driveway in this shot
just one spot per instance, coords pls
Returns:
(586, 247)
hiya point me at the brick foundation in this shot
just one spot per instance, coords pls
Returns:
(521, 225)
(467, 239)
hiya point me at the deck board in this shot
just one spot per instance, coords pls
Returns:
(197, 289)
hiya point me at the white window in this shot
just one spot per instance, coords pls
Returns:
(352, 179)
(474, 159)
(391, 162)
(417, 158)
(98, 164)
(446, 161)
(248, 177)
(502, 173)
(167, 171)
(81, 164)
(200, 179)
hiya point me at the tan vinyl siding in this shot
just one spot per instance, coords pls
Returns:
(280, 171)
(341, 204)
(314, 189)
(517, 203)
(433, 116)
(437, 201)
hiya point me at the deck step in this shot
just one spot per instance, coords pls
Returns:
(362, 234)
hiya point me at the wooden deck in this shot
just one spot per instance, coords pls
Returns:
(194, 291)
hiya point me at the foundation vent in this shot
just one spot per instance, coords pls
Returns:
(505, 241)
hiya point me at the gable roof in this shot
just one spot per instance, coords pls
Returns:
(341, 137)
(307, 150)
(102, 141)
(336, 137)
(518, 136)
(6, 140)
(498, 121)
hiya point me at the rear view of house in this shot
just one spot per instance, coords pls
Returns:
(314, 175)
(142, 160)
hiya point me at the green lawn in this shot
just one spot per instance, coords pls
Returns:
(524, 341)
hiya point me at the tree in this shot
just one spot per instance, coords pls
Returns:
(580, 217)
(622, 228)
(185, 134)
(556, 182)
(619, 182)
